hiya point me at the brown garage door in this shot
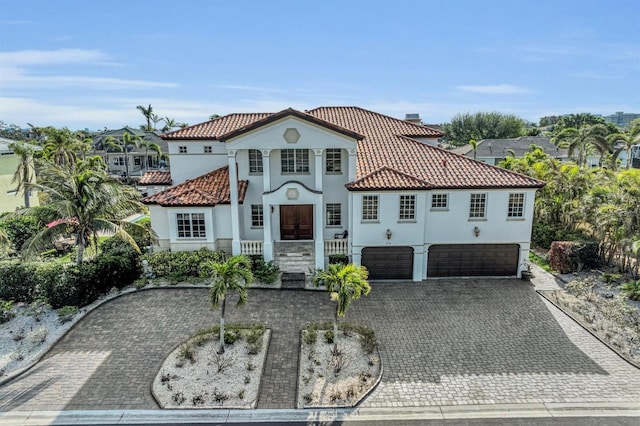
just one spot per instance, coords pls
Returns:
(388, 263)
(472, 260)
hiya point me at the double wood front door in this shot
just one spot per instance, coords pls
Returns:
(296, 222)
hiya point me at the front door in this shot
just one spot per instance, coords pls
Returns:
(296, 222)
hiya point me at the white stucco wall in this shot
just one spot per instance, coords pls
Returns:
(195, 162)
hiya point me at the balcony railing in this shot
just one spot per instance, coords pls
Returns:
(249, 247)
(337, 246)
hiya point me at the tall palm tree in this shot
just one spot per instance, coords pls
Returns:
(344, 283)
(25, 173)
(626, 140)
(232, 275)
(150, 146)
(147, 112)
(61, 146)
(123, 146)
(156, 119)
(582, 141)
(169, 123)
(84, 201)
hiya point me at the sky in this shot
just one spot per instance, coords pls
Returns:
(88, 64)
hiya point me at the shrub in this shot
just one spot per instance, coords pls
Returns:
(230, 337)
(264, 272)
(631, 289)
(6, 311)
(573, 256)
(328, 336)
(66, 313)
(339, 258)
(20, 228)
(543, 234)
(183, 264)
(18, 281)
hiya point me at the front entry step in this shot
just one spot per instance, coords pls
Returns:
(293, 280)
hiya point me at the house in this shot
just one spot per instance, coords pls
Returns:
(10, 198)
(140, 158)
(297, 187)
(493, 151)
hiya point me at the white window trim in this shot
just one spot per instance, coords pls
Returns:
(326, 162)
(259, 160)
(441, 209)
(377, 219)
(524, 206)
(486, 207)
(295, 162)
(191, 238)
(415, 201)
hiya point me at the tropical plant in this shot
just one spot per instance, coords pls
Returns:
(25, 173)
(122, 145)
(147, 112)
(624, 141)
(231, 275)
(169, 123)
(61, 146)
(344, 283)
(580, 142)
(631, 289)
(149, 146)
(82, 201)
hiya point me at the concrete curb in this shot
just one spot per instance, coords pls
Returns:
(123, 417)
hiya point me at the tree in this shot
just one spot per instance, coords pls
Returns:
(474, 146)
(156, 119)
(232, 275)
(580, 142)
(169, 123)
(576, 121)
(83, 201)
(344, 283)
(482, 125)
(123, 146)
(61, 146)
(25, 173)
(626, 140)
(149, 146)
(147, 112)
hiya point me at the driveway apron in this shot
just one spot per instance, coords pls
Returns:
(443, 342)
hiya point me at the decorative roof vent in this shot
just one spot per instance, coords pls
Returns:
(291, 135)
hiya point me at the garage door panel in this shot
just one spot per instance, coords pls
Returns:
(468, 260)
(388, 263)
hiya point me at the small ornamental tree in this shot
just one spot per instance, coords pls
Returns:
(344, 283)
(232, 275)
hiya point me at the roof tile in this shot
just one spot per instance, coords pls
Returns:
(156, 177)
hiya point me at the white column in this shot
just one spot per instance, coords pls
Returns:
(350, 226)
(233, 187)
(352, 164)
(318, 167)
(418, 259)
(266, 170)
(267, 243)
(318, 222)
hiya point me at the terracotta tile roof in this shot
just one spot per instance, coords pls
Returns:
(387, 148)
(288, 112)
(387, 178)
(212, 129)
(207, 190)
(156, 177)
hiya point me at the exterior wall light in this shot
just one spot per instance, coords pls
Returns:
(476, 231)
(389, 234)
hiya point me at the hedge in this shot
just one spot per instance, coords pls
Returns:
(70, 284)
(573, 256)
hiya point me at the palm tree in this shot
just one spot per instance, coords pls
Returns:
(474, 146)
(231, 275)
(156, 119)
(626, 140)
(344, 283)
(169, 123)
(61, 146)
(123, 146)
(147, 112)
(82, 200)
(25, 173)
(582, 140)
(149, 146)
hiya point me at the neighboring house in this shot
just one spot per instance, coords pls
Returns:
(493, 151)
(154, 181)
(140, 160)
(10, 198)
(297, 187)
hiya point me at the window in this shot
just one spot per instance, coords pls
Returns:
(137, 161)
(257, 215)
(477, 207)
(191, 225)
(182, 149)
(516, 205)
(208, 149)
(440, 201)
(369, 207)
(118, 161)
(334, 161)
(334, 214)
(255, 161)
(407, 207)
(295, 160)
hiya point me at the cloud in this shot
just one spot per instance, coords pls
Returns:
(50, 57)
(15, 79)
(494, 89)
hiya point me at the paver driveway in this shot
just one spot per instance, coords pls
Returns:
(442, 343)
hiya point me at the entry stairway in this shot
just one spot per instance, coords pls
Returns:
(294, 256)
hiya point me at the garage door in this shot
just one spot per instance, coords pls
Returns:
(472, 260)
(388, 263)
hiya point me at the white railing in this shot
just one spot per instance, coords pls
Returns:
(337, 246)
(249, 247)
